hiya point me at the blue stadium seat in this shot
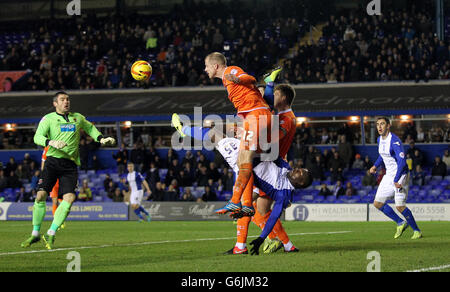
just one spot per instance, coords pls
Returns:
(330, 199)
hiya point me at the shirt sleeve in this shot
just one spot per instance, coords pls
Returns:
(90, 129)
(273, 218)
(41, 135)
(399, 157)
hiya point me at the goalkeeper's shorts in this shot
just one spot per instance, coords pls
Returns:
(59, 168)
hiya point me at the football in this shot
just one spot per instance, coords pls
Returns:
(141, 70)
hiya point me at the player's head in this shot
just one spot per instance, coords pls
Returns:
(130, 166)
(214, 62)
(284, 95)
(300, 178)
(383, 126)
(61, 102)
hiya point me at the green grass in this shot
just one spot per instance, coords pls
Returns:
(199, 246)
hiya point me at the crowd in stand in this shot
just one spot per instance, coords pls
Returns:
(97, 53)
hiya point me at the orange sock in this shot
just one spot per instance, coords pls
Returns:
(278, 229)
(54, 207)
(244, 177)
(242, 229)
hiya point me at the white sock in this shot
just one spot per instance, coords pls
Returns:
(51, 232)
(288, 246)
(241, 245)
(35, 233)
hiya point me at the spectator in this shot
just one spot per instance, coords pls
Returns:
(171, 194)
(187, 195)
(13, 180)
(152, 176)
(336, 166)
(34, 180)
(84, 154)
(358, 163)
(117, 196)
(409, 162)
(23, 196)
(324, 191)
(214, 173)
(158, 194)
(367, 163)
(184, 180)
(106, 182)
(21, 173)
(170, 176)
(209, 195)
(317, 168)
(417, 158)
(96, 164)
(369, 180)
(188, 158)
(418, 176)
(85, 193)
(338, 189)
(350, 190)
(345, 150)
(121, 158)
(11, 165)
(229, 181)
(439, 168)
(412, 149)
(137, 155)
(202, 177)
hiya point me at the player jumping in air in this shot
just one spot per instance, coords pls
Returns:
(250, 105)
(61, 131)
(395, 182)
(136, 180)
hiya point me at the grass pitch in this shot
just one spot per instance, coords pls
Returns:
(198, 247)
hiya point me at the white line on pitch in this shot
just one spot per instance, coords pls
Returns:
(431, 269)
(152, 242)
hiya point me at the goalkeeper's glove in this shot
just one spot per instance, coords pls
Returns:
(109, 141)
(255, 245)
(57, 144)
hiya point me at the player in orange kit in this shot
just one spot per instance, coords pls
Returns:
(55, 190)
(251, 106)
(282, 102)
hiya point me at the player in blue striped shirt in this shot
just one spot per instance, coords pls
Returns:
(136, 181)
(396, 180)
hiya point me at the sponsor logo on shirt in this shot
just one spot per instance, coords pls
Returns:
(402, 155)
(68, 128)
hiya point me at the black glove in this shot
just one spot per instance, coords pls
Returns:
(236, 215)
(255, 245)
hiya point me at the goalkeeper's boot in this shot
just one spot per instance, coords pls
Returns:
(293, 249)
(149, 219)
(272, 245)
(272, 76)
(248, 211)
(229, 207)
(49, 240)
(30, 241)
(237, 250)
(400, 229)
(416, 235)
(63, 226)
(176, 123)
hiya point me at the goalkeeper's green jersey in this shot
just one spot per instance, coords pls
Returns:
(54, 126)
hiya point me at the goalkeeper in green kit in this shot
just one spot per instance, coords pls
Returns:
(61, 131)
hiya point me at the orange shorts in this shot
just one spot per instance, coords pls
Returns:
(257, 127)
(55, 190)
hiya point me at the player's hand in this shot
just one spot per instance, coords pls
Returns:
(255, 245)
(232, 78)
(57, 144)
(109, 141)
(397, 185)
(373, 170)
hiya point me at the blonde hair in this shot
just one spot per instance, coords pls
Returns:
(217, 58)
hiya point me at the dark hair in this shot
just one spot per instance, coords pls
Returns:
(386, 119)
(55, 96)
(308, 180)
(287, 91)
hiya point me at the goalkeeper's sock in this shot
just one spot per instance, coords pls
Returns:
(39, 209)
(197, 133)
(138, 213)
(388, 211)
(60, 216)
(410, 219)
(141, 209)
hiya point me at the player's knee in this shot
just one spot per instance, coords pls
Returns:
(69, 198)
(400, 208)
(378, 205)
(41, 196)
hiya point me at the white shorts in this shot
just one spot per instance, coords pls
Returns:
(387, 190)
(229, 148)
(136, 197)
